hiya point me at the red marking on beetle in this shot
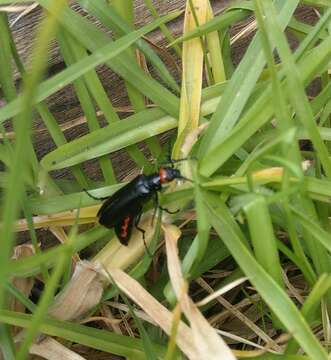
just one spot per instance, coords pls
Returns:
(163, 176)
(124, 227)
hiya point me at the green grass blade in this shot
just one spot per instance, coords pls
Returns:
(218, 23)
(215, 53)
(202, 225)
(6, 70)
(261, 111)
(99, 56)
(137, 100)
(270, 291)
(92, 38)
(311, 306)
(3, 2)
(295, 85)
(97, 339)
(43, 304)
(240, 87)
(109, 17)
(49, 120)
(6, 342)
(166, 32)
(314, 229)
(108, 139)
(59, 139)
(59, 203)
(71, 53)
(133, 129)
(263, 238)
(20, 297)
(21, 157)
(34, 264)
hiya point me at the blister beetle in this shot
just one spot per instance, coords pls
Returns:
(122, 210)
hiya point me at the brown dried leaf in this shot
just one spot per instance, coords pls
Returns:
(83, 292)
(25, 285)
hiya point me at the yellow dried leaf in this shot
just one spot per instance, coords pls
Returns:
(208, 344)
(192, 64)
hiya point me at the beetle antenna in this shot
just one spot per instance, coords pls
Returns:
(186, 179)
(175, 161)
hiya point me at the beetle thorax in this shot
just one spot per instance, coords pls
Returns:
(153, 182)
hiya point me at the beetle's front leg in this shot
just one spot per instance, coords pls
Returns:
(156, 203)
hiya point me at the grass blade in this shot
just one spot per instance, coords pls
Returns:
(270, 291)
(101, 54)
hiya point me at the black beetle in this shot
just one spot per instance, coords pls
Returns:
(123, 209)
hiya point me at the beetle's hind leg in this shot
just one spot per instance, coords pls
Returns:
(136, 225)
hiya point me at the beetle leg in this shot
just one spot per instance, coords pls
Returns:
(172, 162)
(168, 211)
(136, 225)
(94, 197)
(156, 205)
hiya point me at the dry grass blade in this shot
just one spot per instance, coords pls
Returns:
(70, 124)
(24, 285)
(107, 321)
(164, 53)
(86, 215)
(140, 314)
(13, 8)
(52, 350)
(222, 316)
(26, 11)
(209, 345)
(221, 291)
(292, 290)
(161, 315)
(245, 320)
(191, 139)
(192, 61)
(242, 340)
(83, 292)
(246, 31)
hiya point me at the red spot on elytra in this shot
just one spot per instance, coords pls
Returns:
(124, 227)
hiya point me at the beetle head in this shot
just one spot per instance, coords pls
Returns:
(168, 174)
